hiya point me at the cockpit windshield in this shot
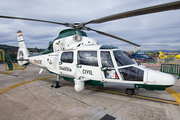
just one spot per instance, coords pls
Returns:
(122, 59)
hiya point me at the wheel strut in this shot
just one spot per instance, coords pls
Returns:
(56, 83)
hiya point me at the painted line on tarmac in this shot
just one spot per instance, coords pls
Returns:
(174, 93)
(141, 97)
(19, 84)
(124, 94)
(7, 73)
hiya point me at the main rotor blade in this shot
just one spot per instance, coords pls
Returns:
(103, 33)
(9, 17)
(142, 11)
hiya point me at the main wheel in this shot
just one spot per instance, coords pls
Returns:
(56, 84)
(130, 91)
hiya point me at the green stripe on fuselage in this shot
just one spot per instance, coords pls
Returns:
(21, 41)
(136, 86)
(151, 87)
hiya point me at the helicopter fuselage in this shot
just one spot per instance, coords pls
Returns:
(104, 66)
(80, 59)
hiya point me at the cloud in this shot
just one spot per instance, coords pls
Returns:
(152, 31)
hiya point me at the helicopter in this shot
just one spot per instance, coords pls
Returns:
(141, 56)
(75, 57)
(161, 55)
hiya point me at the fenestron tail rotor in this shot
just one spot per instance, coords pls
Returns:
(81, 26)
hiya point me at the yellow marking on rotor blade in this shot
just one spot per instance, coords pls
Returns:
(174, 93)
(19, 84)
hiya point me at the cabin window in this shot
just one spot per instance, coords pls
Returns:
(122, 59)
(131, 74)
(106, 59)
(87, 58)
(67, 57)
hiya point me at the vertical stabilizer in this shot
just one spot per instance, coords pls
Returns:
(23, 52)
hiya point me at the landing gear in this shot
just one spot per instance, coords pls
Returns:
(130, 91)
(56, 83)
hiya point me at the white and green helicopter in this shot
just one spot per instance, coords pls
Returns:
(76, 57)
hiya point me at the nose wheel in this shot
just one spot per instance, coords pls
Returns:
(130, 91)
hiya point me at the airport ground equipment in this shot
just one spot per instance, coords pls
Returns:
(12, 66)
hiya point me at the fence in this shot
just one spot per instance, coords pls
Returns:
(152, 61)
(171, 69)
(168, 59)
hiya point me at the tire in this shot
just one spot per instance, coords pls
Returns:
(56, 84)
(130, 91)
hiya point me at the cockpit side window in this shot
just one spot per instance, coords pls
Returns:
(122, 59)
(131, 74)
(106, 59)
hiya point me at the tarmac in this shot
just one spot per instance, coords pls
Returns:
(28, 95)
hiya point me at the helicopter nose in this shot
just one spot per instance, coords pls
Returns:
(160, 78)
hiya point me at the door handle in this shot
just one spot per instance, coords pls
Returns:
(60, 63)
(104, 68)
(79, 66)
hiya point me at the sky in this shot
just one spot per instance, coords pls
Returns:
(152, 31)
